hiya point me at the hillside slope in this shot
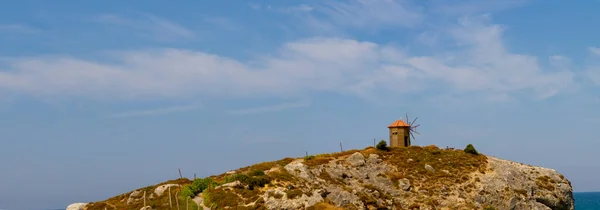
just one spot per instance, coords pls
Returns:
(401, 178)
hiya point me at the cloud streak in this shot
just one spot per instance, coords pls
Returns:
(161, 28)
(152, 112)
(272, 108)
(18, 29)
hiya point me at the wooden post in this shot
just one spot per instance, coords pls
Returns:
(306, 156)
(341, 148)
(180, 176)
(177, 199)
(187, 203)
(170, 202)
(144, 199)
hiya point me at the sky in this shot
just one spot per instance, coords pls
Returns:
(99, 98)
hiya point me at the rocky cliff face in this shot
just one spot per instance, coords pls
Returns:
(403, 178)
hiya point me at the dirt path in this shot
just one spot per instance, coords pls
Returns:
(199, 201)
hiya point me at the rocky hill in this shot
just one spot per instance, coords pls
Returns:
(396, 178)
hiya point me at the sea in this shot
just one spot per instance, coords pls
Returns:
(587, 200)
(583, 201)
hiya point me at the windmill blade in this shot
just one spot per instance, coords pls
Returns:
(416, 126)
(415, 132)
(407, 118)
(413, 122)
(413, 136)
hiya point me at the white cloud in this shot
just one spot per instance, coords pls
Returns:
(482, 65)
(224, 23)
(467, 7)
(160, 28)
(594, 50)
(372, 13)
(159, 111)
(18, 28)
(333, 17)
(271, 108)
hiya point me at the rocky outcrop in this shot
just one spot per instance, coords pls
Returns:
(401, 178)
(528, 186)
(76, 206)
(357, 182)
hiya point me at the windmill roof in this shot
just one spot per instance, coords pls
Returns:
(398, 123)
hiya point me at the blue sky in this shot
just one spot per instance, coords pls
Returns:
(100, 98)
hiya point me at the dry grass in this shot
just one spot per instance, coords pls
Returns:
(324, 206)
(457, 164)
(162, 202)
(545, 182)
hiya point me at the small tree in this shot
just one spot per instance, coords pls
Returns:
(471, 149)
(382, 145)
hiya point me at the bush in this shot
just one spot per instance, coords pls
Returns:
(471, 149)
(256, 180)
(257, 173)
(197, 186)
(310, 157)
(382, 145)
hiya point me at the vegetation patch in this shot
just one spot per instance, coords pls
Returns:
(545, 182)
(382, 145)
(293, 193)
(156, 202)
(221, 198)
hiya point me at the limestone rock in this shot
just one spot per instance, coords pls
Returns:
(386, 181)
(373, 158)
(161, 189)
(297, 168)
(404, 184)
(135, 194)
(232, 184)
(77, 206)
(356, 159)
(429, 168)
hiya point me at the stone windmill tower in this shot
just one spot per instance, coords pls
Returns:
(401, 132)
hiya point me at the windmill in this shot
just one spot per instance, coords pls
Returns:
(412, 127)
(401, 132)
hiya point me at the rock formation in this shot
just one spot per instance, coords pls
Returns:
(402, 178)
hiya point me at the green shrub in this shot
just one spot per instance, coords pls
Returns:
(257, 173)
(252, 181)
(187, 192)
(489, 208)
(382, 145)
(197, 186)
(310, 157)
(471, 149)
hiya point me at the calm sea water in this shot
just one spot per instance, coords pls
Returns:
(587, 201)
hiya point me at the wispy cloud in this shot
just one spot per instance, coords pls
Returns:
(481, 65)
(159, 111)
(272, 108)
(224, 23)
(594, 50)
(336, 16)
(161, 28)
(469, 7)
(18, 28)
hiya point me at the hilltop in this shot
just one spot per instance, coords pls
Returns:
(389, 178)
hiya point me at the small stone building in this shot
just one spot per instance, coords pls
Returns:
(399, 134)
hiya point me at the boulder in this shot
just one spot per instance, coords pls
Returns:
(161, 189)
(356, 159)
(77, 206)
